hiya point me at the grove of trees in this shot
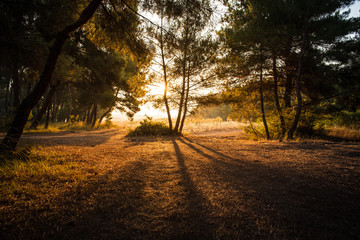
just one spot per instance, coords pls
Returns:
(281, 61)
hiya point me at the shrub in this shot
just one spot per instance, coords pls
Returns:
(310, 125)
(344, 119)
(148, 127)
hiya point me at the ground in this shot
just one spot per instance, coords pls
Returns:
(211, 185)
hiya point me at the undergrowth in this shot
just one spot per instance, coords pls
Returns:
(149, 127)
(71, 126)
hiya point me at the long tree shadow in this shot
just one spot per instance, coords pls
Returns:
(208, 148)
(86, 139)
(108, 208)
(196, 214)
(300, 204)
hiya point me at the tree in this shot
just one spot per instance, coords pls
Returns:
(108, 17)
(298, 39)
(178, 41)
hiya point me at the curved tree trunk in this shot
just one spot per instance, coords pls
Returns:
(277, 102)
(94, 115)
(45, 106)
(165, 78)
(298, 83)
(22, 113)
(104, 115)
(46, 126)
(16, 85)
(262, 103)
(185, 49)
(182, 97)
(186, 100)
(70, 104)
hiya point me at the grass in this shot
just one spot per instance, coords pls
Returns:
(76, 126)
(204, 187)
(32, 181)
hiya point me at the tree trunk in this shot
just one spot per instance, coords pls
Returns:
(55, 106)
(90, 115)
(70, 104)
(22, 113)
(277, 102)
(186, 100)
(94, 116)
(29, 88)
(288, 90)
(181, 98)
(262, 103)
(16, 85)
(47, 117)
(45, 106)
(298, 83)
(165, 77)
(104, 115)
(185, 48)
(7, 97)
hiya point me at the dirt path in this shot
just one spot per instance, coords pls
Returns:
(208, 186)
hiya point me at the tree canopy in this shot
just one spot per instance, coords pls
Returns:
(80, 60)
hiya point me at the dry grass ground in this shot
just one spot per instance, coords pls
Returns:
(214, 185)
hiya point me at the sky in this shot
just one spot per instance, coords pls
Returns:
(148, 110)
(355, 9)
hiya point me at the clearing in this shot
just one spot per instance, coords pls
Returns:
(212, 185)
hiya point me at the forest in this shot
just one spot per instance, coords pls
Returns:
(258, 137)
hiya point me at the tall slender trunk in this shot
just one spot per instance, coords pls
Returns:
(182, 97)
(104, 115)
(55, 106)
(85, 115)
(16, 85)
(22, 113)
(90, 115)
(288, 90)
(165, 76)
(29, 88)
(7, 97)
(45, 106)
(94, 116)
(298, 78)
(185, 49)
(70, 104)
(186, 100)
(46, 126)
(262, 102)
(277, 102)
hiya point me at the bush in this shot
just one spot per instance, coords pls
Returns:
(310, 125)
(344, 119)
(148, 127)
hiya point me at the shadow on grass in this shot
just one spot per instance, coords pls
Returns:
(108, 208)
(249, 199)
(83, 138)
(284, 202)
(196, 214)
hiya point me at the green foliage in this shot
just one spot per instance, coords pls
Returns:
(213, 111)
(310, 125)
(148, 127)
(343, 119)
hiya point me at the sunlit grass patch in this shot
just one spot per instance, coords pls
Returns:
(71, 126)
(31, 172)
(194, 125)
(344, 132)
